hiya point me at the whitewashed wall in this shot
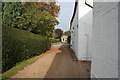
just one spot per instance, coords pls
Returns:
(105, 40)
(85, 30)
(118, 40)
(81, 36)
(74, 33)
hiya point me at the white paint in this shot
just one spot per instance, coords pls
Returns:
(81, 36)
(74, 34)
(85, 30)
(99, 39)
(105, 40)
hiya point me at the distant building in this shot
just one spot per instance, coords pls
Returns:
(64, 38)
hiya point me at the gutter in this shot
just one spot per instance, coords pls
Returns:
(75, 8)
(88, 4)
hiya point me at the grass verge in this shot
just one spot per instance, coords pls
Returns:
(19, 67)
(56, 43)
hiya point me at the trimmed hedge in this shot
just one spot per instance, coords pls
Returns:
(54, 40)
(19, 45)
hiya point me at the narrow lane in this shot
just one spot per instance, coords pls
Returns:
(56, 63)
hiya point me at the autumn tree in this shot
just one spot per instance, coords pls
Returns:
(37, 19)
(51, 7)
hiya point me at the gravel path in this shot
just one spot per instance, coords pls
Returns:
(56, 63)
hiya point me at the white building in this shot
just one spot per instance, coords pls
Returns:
(94, 36)
(105, 39)
(81, 29)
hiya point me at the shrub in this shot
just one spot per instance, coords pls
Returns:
(69, 39)
(19, 45)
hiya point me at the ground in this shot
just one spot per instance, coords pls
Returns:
(56, 63)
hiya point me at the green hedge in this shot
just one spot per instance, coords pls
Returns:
(54, 40)
(19, 45)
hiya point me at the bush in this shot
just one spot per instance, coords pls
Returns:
(54, 40)
(69, 39)
(19, 45)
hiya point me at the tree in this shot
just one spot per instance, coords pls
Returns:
(53, 9)
(58, 33)
(37, 17)
(37, 20)
(67, 33)
(11, 12)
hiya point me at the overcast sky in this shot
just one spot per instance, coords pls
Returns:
(65, 15)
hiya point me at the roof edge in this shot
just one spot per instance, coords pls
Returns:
(75, 8)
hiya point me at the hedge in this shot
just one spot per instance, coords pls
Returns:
(19, 45)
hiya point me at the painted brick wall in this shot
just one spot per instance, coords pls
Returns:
(119, 40)
(85, 30)
(74, 33)
(81, 36)
(105, 40)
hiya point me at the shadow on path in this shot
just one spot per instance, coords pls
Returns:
(63, 66)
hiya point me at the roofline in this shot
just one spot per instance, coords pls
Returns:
(75, 8)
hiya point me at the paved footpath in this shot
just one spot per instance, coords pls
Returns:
(56, 63)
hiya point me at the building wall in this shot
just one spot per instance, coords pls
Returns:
(118, 40)
(105, 40)
(74, 33)
(85, 30)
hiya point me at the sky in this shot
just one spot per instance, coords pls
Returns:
(65, 15)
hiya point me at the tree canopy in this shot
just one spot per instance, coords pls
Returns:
(58, 33)
(37, 17)
(11, 12)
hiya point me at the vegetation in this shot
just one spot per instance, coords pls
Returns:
(37, 17)
(58, 33)
(37, 20)
(35, 23)
(68, 39)
(0, 17)
(19, 66)
(69, 36)
(20, 45)
(67, 33)
(11, 13)
(54, 40)
(56, 43)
